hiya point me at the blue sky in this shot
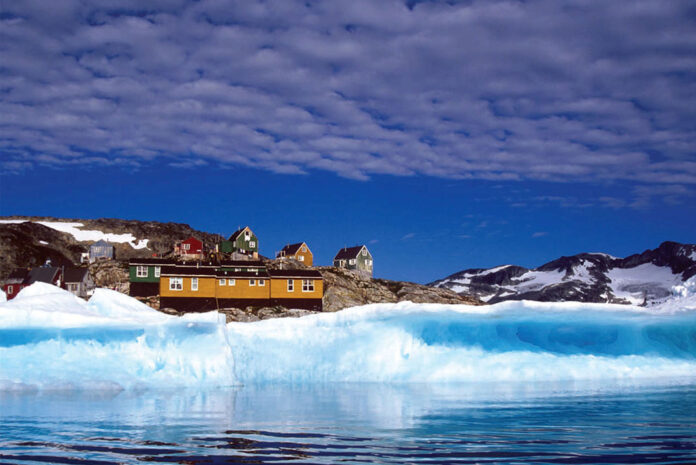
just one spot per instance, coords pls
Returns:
(445, 135)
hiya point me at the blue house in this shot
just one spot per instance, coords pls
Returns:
(101, 250)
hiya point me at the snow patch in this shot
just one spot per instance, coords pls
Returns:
(535, 280)
(43, 242)
(646, 280)
(86, 235)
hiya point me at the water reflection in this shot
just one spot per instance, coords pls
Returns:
(358, 423)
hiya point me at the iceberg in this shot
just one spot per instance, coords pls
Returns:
(50, 339)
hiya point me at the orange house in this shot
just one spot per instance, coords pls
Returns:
(299, 252)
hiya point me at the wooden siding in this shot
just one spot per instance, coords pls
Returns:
(133, 274)
(242, 289)
(206, 287)
(279, 289)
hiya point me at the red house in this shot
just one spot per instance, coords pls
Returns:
(21, 278)
(191, 248)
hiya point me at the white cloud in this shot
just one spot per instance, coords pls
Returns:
(540, 90)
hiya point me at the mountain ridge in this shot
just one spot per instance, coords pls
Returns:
(641, 279)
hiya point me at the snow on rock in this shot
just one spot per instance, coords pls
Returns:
(89, 235)
(632, 284)
(535, 280)
(50, 339)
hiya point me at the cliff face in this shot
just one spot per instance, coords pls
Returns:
(24, 242)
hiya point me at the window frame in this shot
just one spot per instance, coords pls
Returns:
(138, 271)
(158, 271)
(176, 283)
(194, 281)
(308, 285)
(10, 289)
(262, 282)
(291, 285)
(252, 282)
(222, 282)
(232, 282)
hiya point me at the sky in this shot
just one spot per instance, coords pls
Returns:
(444, 135)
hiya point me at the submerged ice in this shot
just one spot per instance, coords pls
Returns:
(50, 339)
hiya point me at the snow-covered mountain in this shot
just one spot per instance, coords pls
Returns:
(641, 279)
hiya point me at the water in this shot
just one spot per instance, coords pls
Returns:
(356, 423)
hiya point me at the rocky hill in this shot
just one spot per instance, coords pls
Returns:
(30, 241)
(640, 279)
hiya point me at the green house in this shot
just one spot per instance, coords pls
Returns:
(144, 275)
(243, 240)
(356, 258)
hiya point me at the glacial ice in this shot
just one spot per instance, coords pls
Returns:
(50, 339)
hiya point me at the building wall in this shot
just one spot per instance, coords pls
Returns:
(133, 276)
(206, 287)
(279, 289)
(15, 290)
(242, 289)
(241, 243)
(308, 258)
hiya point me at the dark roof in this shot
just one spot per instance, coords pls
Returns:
(242, 263)
(291, 249)
(75, 275)
(19, 274)
(348, 252)
(189, 239)
(187, 271)
(236, 234)
(151, 261)
(44, 274)
(242, 274)
(295, 274)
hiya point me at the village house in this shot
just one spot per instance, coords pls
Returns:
(21, 278)
(243, 241)
(101, 250)
(299, 252)
(189, 249)
(356, 258)
(78, 281)
(144, 275)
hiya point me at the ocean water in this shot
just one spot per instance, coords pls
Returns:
(555, 423)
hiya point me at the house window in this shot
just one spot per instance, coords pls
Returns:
(176, 284)
(291, 285)
(141, 271)
(307, 285)
(9, 289)
(351, 261)
(368, 262)
(222, 282)
(194, 284)
(247, 236)
(252, 282)
(232, 282)
(262, 282)
(364, 252)
(72, 287)
(304, 249)
(252, 243)
(300, 258)
(158, 270)
(186, 246)
(341, 263)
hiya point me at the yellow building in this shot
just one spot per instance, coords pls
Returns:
(207, 287)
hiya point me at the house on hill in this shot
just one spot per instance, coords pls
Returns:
(101, 250)
(78, 281)
(144, 275)
(189, 249)
(356, 258)
(242, 241)
(299, 252)
(21, 278)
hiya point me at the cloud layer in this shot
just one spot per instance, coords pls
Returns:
(538, 90)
